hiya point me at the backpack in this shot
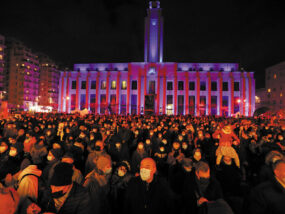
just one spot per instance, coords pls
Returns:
(44, 189)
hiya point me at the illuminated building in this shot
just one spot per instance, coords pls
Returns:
(49, 82)
(274, 86)
(155, 86)
(23, 74)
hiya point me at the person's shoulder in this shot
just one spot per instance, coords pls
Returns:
(264, 186)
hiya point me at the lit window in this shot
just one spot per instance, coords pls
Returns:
(281, 95)
(1, 57)
(274, 76)
(269, 90)
(1, 49)
(124, 85)
(113, 84)
(103, 84)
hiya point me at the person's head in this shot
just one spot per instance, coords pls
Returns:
(13, 151)
(176, 145)
(21, 132)
(147, 142)
(103, 164)
(147, 169)
(67, 158)
(140, 146)
(61, 179)
(202, 172)
(184, 145)
(187, 164)
(56, 146)
(54, 154)
(123, 168)
(3, 147)
(227, 160)
(272, 157)
(279, 170)
(99, 145)
(197, 155)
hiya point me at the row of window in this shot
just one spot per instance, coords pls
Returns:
(149, 104)
(134, 85)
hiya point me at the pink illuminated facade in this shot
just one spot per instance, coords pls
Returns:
(157, 87)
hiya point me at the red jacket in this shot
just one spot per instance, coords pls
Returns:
(226, 139)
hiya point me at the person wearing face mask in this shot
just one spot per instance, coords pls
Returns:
(4, 149)
(98, 151)
(186, 149)
(175, 156)
(98, 185)
(77, 175)
(137, 156)
(203, 192)
(229, 176)
(66, 196)
(148, 192)
(53, 158)
(119, 184)
(269, 196)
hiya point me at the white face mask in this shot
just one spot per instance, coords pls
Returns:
(145, 174)
(13, 153)
(121, 173)
(108, 171)
(49, 158)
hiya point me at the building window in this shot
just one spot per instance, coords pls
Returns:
(225, 86)
(274, 89)
(274, 76)
(93, 84)
(83, 85)
(203, 86)
(274, 102)
(214, 86)
(113, 84)
(236, 86)
(124, 85)
(180, 85)
(134, 85)
(169, 86)
(73, 85)
(192, 86)
(103, 84)
(281, 102)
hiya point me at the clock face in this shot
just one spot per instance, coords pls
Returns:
(151, 71)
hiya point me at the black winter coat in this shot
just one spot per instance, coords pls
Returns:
(267, 198)
(77, 202)
(192, 193)
(153, 198)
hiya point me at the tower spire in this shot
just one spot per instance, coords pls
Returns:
(153, 45)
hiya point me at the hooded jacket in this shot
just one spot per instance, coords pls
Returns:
(28, 184)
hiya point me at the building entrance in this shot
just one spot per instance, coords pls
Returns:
(149, 104)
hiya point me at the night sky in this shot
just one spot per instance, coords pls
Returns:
(249, 32)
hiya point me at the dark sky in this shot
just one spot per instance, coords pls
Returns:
(249, 32)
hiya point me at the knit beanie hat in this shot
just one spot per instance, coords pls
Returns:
(125, 164)
(62, 175)
(57, 153)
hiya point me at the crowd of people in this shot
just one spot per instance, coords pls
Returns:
(104, 164)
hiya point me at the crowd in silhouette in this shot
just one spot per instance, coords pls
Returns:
(67, 163)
